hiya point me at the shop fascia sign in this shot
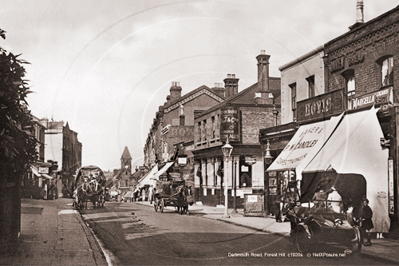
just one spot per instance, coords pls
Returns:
(377, 97)
(250, 160)
(320, 106)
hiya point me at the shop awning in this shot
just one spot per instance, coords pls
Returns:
(304, 145)
(35, 171)
(145, 180)
(163, 170)
(355, 147)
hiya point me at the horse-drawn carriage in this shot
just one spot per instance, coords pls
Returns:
(172, 193)
(89, 186)
(319, 220)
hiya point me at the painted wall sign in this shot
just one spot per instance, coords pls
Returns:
(355, 58)
(229, 124)
(378, 97)
(337, 64)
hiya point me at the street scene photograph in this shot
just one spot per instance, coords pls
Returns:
(199, 132)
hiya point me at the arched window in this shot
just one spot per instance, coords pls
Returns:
(350, 89)
(386, 66)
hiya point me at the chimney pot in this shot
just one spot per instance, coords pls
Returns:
(262, 51)
(359, 11)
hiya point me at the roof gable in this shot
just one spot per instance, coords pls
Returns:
(191, 96)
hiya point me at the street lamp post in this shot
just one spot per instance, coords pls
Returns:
(226, 149)
(235, 187)
(268, 160)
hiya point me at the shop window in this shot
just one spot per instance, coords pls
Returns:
(350, 91)
(311, 87)
(199, 131)
(386, 64)
(293, 101)
(245, 174)
(213, 127)
(204, 134)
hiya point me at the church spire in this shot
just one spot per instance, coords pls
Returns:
(126, 154)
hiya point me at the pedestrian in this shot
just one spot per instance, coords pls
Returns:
(151, 194)
(366, 223)
(334, 200)
(278, 206)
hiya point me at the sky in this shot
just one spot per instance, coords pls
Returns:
(105, 66)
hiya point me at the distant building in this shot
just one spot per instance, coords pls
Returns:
(63, 146)
(124, 175)
(174, 122)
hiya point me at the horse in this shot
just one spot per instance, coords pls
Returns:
(184, 199)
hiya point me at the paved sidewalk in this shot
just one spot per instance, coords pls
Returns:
(53, 233)
(384, 250)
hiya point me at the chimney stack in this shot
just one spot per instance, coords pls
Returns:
(231, 85)
(175, 91)
(219, 89)
(263, 70)
(359, 15)
(359, 12)
(266, 96)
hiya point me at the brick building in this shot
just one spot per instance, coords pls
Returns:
(63, 146)
(358, 113)
(174, 123)
(237, 119)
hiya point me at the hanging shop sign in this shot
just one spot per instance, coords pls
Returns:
(320, 106)
(229, 124)
(391, 187)
(383, 96)
(43, 170)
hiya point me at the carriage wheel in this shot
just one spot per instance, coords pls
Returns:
(162, 205)
(156, 204)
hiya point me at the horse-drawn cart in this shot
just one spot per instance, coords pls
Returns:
(172, 193)
(89, 186)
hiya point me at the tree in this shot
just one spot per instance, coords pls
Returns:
(17, 143)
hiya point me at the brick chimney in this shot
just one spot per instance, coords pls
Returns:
(231, 85)
(359, 15)
(175, 91)
(218, 89)
(264, 95)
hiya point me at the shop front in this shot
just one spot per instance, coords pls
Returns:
(343, 152)
(355, 148)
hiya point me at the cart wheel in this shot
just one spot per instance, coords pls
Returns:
(302, 241)
(356, 247)
(162, 205)
(156, 204)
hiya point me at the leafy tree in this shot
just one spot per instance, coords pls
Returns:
(17, 143)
